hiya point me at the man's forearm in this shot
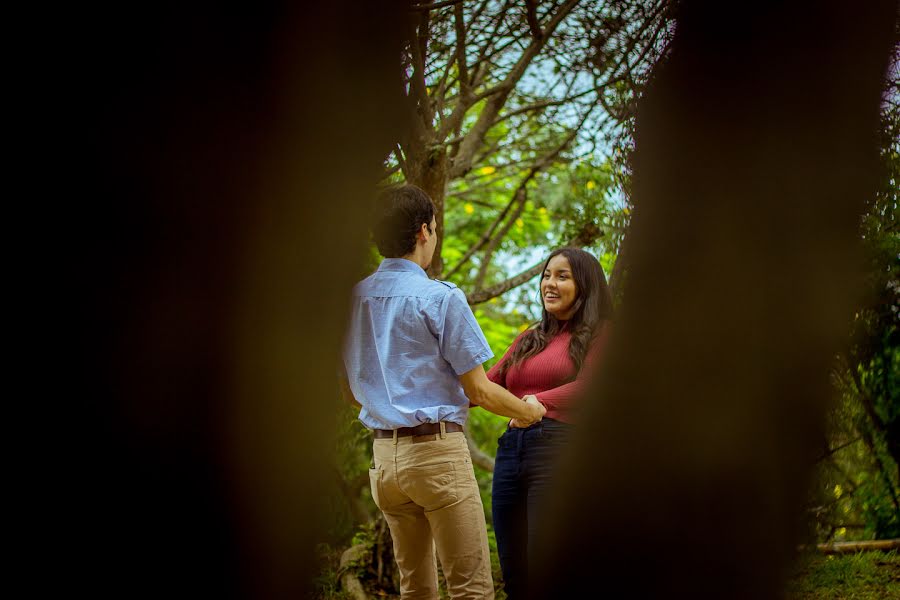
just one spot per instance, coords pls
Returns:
(499, 401)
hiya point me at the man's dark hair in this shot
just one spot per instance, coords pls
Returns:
(400, 211)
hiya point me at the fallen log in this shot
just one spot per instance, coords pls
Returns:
(851, 547)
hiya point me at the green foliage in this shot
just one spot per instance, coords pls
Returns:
(859, 482)
(327, 584)
(350, 459)
(365, 535)
(566, 199)
(351, 456)
(864, 576)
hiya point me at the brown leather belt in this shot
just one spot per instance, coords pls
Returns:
(423, 429)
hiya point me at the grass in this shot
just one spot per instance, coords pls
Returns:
(327, 584)
(863, 576)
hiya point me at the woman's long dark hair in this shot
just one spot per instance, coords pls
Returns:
(593, 308)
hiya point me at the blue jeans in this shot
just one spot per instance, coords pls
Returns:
(523, 475)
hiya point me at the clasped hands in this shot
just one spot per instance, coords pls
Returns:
(521, 423)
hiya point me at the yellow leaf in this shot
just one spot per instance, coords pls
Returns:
(590, 185)
(838, 491)
(486, 170)
(520, 223)
(523, 327)
(542, 211)
(469, 208)
(627, 211)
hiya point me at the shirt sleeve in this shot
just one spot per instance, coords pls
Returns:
(461, 340)
(561, 397)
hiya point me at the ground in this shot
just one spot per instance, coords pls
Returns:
(864, 576)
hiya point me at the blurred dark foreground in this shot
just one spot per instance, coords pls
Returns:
(228, 153)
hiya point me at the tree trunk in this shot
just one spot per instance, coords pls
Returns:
(430, 174)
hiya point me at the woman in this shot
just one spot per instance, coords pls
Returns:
(550, 360)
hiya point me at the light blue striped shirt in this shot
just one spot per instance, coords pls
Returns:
(409, 339)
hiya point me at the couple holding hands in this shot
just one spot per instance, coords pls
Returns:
(413, 359)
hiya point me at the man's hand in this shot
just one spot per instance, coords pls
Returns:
(488, 395)
(539, 413)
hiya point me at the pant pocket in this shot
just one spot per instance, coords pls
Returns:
(508, 440)
(431, 486)
(375, 483)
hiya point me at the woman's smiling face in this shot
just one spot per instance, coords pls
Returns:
(558, 289)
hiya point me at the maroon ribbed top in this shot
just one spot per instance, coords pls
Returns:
(550, 374)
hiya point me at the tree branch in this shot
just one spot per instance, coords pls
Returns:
(463, 104)
(440, 141)
(504, 286)
(460, 28)
(493, 28)
(486, 236)
(531, 16)
(615, 278)
(831, 451)
(637, 36)
(486, 58)
(434, 5)
(548, 103)
(588, 234)
(537, 106)
(518, 199)
(521, 196)
(401, 161)
(388, 172)
(418, 36)
(439, 92)
(411, 137)
(462, 162)
(466, 98)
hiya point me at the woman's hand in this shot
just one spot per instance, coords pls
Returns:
(521, 423)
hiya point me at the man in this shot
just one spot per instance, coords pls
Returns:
(413, 359)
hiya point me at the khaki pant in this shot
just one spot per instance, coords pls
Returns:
(426, 488)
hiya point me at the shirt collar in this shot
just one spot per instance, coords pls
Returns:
(402, 265)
